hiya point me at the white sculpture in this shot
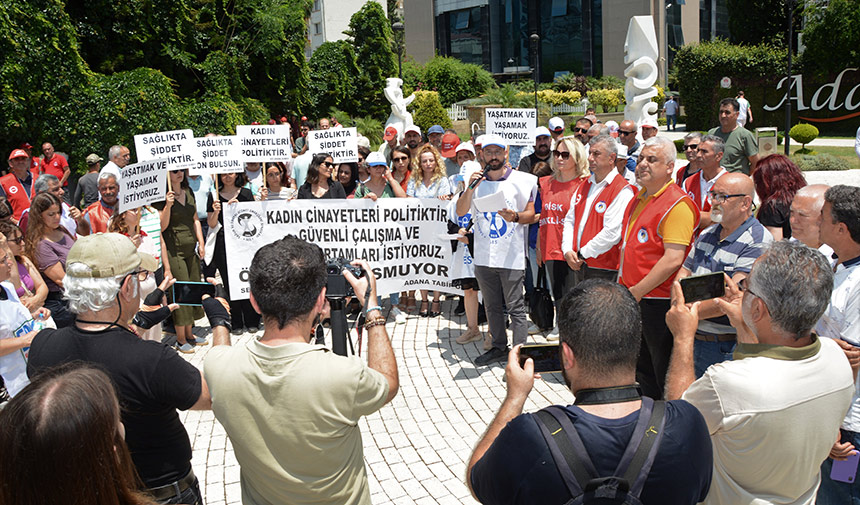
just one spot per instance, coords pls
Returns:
(641, 54)
(399, 118)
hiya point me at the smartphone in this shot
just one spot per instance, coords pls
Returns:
(845, 471)
(703, 287)
(191, 293)
(545, 356)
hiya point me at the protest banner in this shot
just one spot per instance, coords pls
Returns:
(516, 126)
(142, 183)
(400, 237)
(217, 155)
(340, 143)
(262, 143)
(176, 146)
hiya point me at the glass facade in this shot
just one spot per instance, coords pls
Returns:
(713, 19)
(673, 29)
(464, 29)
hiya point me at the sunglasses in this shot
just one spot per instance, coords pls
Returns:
(622, 132)
(564, 154)
(580, 130)
(691, 146)
(327, 164)
(403, 158)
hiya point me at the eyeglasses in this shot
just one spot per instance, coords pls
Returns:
(580, 130)
(18, 240)
(691, 146)
(622, 132)
(564, 154)
(744, 285)
(714, 197)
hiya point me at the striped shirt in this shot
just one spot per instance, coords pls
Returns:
(735, 253)
(150, 223)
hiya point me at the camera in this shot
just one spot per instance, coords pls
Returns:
(336, 285)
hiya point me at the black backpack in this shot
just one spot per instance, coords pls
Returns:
(576, 468)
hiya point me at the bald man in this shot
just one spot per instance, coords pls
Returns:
(805, 214)
(731, 245)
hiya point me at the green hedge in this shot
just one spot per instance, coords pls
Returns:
(450, 77)
(427, 111)
(700, 68)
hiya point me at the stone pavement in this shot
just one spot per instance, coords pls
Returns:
(415, 448)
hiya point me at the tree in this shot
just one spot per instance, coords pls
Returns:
(761, 22)
(332, 81)
(832, 36)
(370, 34)
(455, 80)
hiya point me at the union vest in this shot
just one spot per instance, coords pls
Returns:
(99, 217)
(643, 246)
(594, 220)
(15, 193)
(693, 188)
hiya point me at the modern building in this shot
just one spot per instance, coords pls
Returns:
(330, 18)
(583, 37)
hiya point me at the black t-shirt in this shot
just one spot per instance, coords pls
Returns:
(245, 195)
(518, 468)
(335, 190)
(152, 381)
(776, 214)
(528, 163)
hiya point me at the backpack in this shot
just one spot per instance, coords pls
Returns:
(576, 467)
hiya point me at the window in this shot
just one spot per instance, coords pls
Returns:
(317, 28)
(559, 8)
(316, 5)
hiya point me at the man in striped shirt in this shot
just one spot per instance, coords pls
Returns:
(731, 245)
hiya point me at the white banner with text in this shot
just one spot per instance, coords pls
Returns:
(262, 143)
(516, 126)
(176, 146)
(142, 183)
(340, 143)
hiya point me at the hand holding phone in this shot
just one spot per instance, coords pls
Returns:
(703, 287)
(191, 293)
(545, 357)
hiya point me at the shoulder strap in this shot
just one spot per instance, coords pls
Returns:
(567, 449)
(647, 441)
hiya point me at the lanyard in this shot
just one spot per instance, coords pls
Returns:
(615, 394)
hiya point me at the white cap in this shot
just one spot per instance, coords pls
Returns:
(541, 131)
(363, 141)
(556, 123)
(466, 146)
(413, 128)
(375, 158)
(612, 125)
(649, 122)
(621, 150)
(479, 140)
(494, 140)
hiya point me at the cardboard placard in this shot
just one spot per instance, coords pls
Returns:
(217, 155)
(262, 143)
(515, 126)
(340, 143)
(142, 184)
(176, 146)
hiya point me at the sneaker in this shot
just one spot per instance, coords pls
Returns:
(198, 340)
(185, 348)
(488, 342)
(399, 316)
(533, 329)
(492, 356)
(470, 335)
(237, 331)
(552, 336)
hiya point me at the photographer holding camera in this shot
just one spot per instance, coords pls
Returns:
(291, 408)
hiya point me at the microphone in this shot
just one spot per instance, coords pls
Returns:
(483, 176)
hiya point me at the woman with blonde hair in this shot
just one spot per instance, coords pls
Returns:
(429, 180)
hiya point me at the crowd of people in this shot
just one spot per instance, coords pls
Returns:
(751, 397)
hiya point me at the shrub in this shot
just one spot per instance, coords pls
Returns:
(803, 133)
(605, 82)
(427, 110)
(553, 97)
(820, 162)
(571, 82)
(455, 80)
(507, 96)
(213, 114)
(606, 98)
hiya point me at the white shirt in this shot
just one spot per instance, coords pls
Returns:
(670, 107)
(15, 321)
(744, 107)
(705, 186)
(614, 214)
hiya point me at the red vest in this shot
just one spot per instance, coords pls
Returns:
(643, 246)
(15, 193)
(555, 203)
(694, 190)
(99, 217)
(594, 220)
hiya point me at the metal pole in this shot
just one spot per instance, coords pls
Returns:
(535, 40)
(787, 139)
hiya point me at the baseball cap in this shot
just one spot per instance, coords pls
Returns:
(363, 141)
(541, 131)
(649, 123)
(450, 141)
(390, 133)
(18, 153)
(479, 140)
(435, 129)
(283, 119)
(26, 145)
(494, 140)
(556, 124)
(413, 128)
(94, 158)
(109, 255)
(621, 150)
(375, 158)
(465, 146)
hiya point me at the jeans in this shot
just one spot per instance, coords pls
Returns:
(833, 492)
(671, 121)
(706, 354)
(190, 496)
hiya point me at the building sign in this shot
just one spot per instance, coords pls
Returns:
(836, 100)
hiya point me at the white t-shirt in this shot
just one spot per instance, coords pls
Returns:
(462, 263)
(744, 107)
(15, 321)
(498, 243)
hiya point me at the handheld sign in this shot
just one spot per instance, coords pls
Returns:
(176, 146)
(217, 155)
(340, 143)
(262, 143)
(142, 183)
(516, 126)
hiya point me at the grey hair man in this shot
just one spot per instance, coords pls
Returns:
(97, 215)
(102, 285)
(783, 381)
(118, 157)
(806, 216)
(627, 136)
(691, 145)
(840, 229)
(708, 155)
(70, 216)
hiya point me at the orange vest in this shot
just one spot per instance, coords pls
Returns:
(643, 246)
(99, 217)
(594, 220)
(15, 193)
(694, 190)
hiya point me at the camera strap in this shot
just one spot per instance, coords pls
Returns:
(614, 394)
